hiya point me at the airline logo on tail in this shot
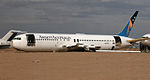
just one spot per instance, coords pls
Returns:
(127, 29)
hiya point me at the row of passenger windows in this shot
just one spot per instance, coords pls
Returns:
(96, 40)
(53, 39)
(77, 40)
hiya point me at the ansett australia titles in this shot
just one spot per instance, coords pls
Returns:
(55, 37)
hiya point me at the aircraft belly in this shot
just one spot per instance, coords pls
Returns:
(107, 47)
(45, 46)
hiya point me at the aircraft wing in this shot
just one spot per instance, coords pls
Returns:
(11, 34)
(136, 40)
(17, 31)
(78, 45)
(85, 47)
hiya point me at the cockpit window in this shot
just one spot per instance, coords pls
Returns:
(18, 38)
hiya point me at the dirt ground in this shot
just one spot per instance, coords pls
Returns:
(15, 65)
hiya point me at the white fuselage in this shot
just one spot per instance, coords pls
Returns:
(146, 42)
(64, 42)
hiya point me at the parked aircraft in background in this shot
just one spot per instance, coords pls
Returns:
(75, 42)
(5, 41)
(145, 44)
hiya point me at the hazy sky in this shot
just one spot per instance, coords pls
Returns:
(74, 16)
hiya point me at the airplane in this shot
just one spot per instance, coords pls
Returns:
(75, 42)
(145, 44)
(5, 41)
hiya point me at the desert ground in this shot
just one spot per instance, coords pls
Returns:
(18, 65)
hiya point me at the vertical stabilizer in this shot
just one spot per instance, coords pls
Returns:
(127, 29)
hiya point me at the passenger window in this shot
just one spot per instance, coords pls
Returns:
(77, 40)
(74, 40)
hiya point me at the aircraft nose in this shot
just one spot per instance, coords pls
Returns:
(11, 43)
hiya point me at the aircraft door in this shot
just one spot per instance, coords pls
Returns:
(118, 40)
(30, 40)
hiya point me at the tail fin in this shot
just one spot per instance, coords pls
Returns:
(126, 31)
(11, 34)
